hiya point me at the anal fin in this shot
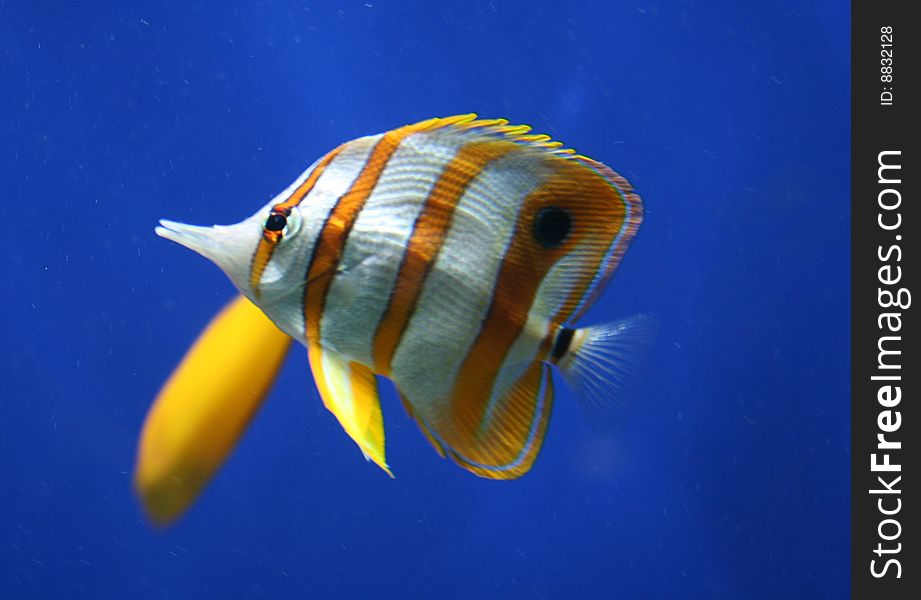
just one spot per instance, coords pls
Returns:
(349, 391)
(422, 426)
(503, 441)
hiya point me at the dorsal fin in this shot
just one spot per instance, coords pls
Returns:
(501, 129)
(349, 391)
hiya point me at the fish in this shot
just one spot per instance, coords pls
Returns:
(452, 256)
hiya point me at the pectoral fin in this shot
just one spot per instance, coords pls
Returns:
(349, 391)
(203, 408)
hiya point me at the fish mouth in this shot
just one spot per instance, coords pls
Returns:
(196, 238)
(230, 247)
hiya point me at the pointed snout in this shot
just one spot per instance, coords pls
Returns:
(230, 247)
(203, 240)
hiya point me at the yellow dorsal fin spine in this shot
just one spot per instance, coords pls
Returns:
(454, 120)
(517, 133)
(516, 130)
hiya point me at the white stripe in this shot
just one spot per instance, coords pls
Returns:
(288, 266)
(551, 295)
(361, 290)
(458, 291)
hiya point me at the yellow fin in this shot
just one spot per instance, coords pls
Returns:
(500, 128)
(457, 120)
(204, 407)
(349, 391)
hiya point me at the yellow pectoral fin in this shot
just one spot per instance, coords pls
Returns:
(204, 407)
(349, 391)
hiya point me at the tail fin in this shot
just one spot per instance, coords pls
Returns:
(603, 367)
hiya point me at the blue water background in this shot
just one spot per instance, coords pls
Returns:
(731, 119)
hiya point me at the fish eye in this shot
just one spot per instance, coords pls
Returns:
(281, 225)
(276, 222)
(552, 225)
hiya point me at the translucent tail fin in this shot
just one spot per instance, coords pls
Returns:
(604, 365)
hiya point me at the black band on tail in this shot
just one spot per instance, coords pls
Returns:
(561, 345)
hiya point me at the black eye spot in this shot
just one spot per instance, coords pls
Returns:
(276, 222)
(551, 226)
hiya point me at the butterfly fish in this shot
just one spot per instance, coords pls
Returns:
(453, 257)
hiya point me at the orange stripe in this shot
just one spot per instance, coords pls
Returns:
(596, 220)
(331, 242)
(621, 192)
(270, 239)
(260, 261)
(426, 241)
(302, 190)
